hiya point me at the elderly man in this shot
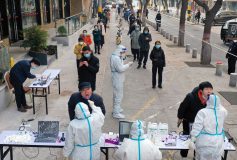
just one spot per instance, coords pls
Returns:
(84, 95)
(84, 132)
(138, 147)
(208, 130)
(188, 109)
(18, 74)
(118, 77)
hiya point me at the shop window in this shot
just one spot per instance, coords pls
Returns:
(28, 12)
(55, 10)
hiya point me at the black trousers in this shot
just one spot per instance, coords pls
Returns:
(135, 53)
(157, 25)
(19, 93)
(78, 63)
(143, 55)
(154, 74)
(97, 47)
(231, 65)
(186, 131)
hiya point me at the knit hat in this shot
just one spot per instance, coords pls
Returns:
(205, 84)
(84, 85)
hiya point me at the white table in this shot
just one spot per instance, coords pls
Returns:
(104, 147)
(54, 74)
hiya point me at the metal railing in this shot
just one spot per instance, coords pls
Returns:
(72, 24)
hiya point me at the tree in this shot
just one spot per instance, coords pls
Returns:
(210, 15)
(165, 4)
(144, 8)
(129, 4)
(177, 7)
(182, 22)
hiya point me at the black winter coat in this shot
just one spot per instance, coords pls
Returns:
(77, 97)
(190, 106)
(157, 57)
(20, 72)
(158, 16)
(88, 74)
(144, 41)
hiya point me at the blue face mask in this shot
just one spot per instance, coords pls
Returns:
(146, 32)
(87, 55)
(33, 67)
(157, 46)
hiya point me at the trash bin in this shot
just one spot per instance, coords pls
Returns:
(219, 68)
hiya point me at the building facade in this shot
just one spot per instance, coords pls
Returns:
(17, 15)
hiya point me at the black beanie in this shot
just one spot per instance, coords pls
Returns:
(205, 84)
(86, 48)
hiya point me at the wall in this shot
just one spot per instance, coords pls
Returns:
(76, 7)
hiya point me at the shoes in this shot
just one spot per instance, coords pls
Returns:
(99, 53)
(27, 107)
(118, 116)
(21, 109)
(139, 66)
(153, 87)
(160, 86)
(144, 67)
(121, 110)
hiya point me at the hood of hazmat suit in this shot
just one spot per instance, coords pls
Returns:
(137, 148)
(208, 129)
(83, 133)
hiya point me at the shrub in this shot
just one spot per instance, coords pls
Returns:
(62, 31)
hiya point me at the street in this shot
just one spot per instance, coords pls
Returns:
(140, 101)
(193, 35)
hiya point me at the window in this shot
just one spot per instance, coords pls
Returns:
(28, 12)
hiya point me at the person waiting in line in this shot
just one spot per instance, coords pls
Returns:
(105, 20)
(198, 16)
(144, 42)
(192, 103)
(137, 147)
(84, 132)
(18, 74)
(78, 52)
(97, 38)
(135, 47)
(232, 57)
(208, 130)
(100, 26)
(85, 93)
(158, 20)
(117, 69)
(157, 57)
(132, 19)
(86, 37)
(88, 67)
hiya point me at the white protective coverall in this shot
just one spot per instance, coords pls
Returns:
(118, 77)
(208, 130)
(83, 134)
(138, 147)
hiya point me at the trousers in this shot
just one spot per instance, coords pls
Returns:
(19, 93)
(154, 74)
(143, 55)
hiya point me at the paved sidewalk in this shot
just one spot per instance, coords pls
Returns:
(159, 105)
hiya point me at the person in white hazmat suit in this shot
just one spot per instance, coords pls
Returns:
(83, 134)
(137, 147)
(207, 134)
(117, 70)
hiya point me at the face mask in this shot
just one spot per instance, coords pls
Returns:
(96, 28)
(81, 43)
(85, 34)
(137, 29)
(87, 55)
(157, 46)
(146, 32)
(33, 67)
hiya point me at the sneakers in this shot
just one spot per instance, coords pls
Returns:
(139, 66)
(153, 87)
(21, 109)
(144, 67)
(118, 116)
(27, 107)
(160, 86)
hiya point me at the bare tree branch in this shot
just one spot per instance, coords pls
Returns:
(202, 4)
(216, 7)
